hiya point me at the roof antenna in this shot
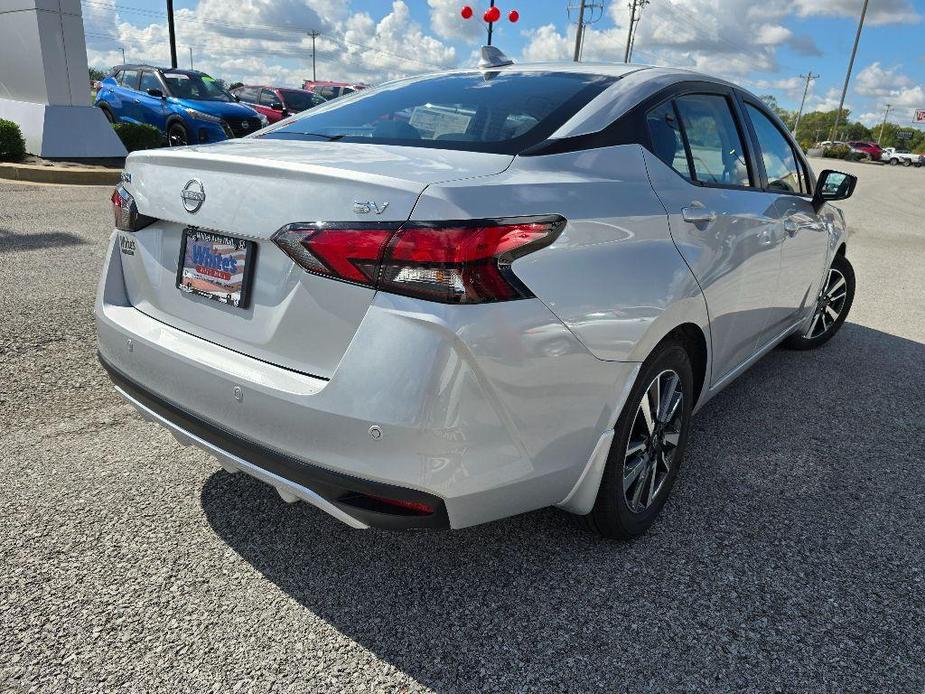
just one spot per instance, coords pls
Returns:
(492, 56)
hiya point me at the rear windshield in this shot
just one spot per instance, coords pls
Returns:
(500, 112)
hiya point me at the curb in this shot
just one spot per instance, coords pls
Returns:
(65, 176)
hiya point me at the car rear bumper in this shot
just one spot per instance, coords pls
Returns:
(480, 412)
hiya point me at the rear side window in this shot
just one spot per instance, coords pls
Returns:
(503, 112)
(780, 162)
(129, 79)
(665, 133)
(247, 94)
(715, 146)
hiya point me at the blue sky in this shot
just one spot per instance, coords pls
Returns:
(764, 46)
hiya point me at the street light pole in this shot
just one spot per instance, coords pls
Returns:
(173, 36)
(809, 78)
(886, 115)
(190, 57)
(844, 91)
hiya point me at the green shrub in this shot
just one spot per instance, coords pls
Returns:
(136, 136)
(841, 152)
(12, 145)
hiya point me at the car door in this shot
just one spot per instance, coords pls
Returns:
(718, 220)
(788, 191)
(152, 109)
(269, 99)
(128, 108)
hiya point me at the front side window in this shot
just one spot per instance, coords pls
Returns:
(297, 101)
(195, 86)
(716, 149)
(780, 162)
(268, 98)
(502, 112)
(665, 134)
(149, 81)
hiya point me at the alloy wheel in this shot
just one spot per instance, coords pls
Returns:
(653, 442)
(830, 305)
(176, 136)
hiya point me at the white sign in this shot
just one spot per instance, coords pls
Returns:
(919, 116)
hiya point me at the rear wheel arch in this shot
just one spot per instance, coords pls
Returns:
(695, 343)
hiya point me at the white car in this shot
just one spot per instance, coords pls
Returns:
(463, 296)
(901, 156)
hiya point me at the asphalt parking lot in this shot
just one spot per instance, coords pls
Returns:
(790, 558)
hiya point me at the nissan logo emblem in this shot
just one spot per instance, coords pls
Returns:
(193, 195)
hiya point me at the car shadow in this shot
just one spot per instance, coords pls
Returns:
(13, 242)
(790, 552)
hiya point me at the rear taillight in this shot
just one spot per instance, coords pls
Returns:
(452, 262)
(125, 211)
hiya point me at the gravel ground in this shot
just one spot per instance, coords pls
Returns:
(790, 558)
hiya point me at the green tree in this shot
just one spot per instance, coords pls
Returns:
(96, 74)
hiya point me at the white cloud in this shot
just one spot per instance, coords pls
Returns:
(267, 41)
(447, 22)
(878, 12)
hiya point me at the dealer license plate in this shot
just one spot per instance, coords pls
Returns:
(216, 266)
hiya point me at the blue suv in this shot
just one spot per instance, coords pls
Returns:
(188, 106)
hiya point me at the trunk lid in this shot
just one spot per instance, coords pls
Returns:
(253, 188)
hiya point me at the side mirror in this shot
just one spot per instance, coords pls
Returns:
(156, 93)
(833, 185)
(276, 106)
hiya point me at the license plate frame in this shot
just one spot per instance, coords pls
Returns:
(195, 279)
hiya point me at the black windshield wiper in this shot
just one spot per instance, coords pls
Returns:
(329, 138)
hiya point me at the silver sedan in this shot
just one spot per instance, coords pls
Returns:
(462, 296)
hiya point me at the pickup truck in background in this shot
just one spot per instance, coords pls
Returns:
(894, 157)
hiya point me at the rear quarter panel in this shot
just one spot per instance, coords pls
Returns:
(614, 276)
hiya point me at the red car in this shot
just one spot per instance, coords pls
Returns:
(276, 103)
(870, 149)
(331, 90)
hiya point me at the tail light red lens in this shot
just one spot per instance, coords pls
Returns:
(125, 211)
(453, 262)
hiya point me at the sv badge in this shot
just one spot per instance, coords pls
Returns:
(367, 206)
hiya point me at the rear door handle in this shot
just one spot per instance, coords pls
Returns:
(697, 214)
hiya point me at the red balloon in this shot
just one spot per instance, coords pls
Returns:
(492, 14)
(466, 12)
(514, 16)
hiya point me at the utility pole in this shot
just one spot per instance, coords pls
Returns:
(581, 29)
(123, 55)
(809, 77)
(629, 33)
(314, 34)
(844, 91)
(632, 42)
(190, 57)
(173, 36)
(889, 107)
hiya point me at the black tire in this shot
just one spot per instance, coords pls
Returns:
(906, 162)
(177, 134)
(612, 515)
(812, 338)
(894, 161)
(108, 114)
